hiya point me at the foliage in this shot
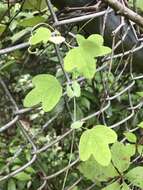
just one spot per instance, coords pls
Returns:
(81, 60)
(95, 142)
(47, 91)
(57, 76)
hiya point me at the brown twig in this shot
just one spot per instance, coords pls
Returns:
(125, 11)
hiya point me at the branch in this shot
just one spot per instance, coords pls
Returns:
(125, 11)
(13, 48)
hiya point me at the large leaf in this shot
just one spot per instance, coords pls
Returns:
(135, 176)
(82, 58)
(120, 156)
(96, 142)
(47, 91)
(96, 172)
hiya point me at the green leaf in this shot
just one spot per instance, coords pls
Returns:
(139, 4)
(32, 21)
(3, 9)
(125, 186)
(120, 156)
(82, 58)
(96, 142)
(135, 176)
(47, 91)
(140, 149)
(94, 171)
(113, 186)
(23, 176)
(94, 45)
(76, 125)
(140, 94)
(140, 124)
(30, 170)
(42, 34)
(131, 137)
(2, 28)
(69, 91)
(130, 149)
(34, 5)
(20, 34)
(11, 184)
(76, 89)
(81, 62)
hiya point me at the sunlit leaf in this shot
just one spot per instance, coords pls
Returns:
(42, 34)
(76, 124)
(140, 124)
(95, 142)
(47, 91)
(131, 137)
(76, 89)
(82, 59)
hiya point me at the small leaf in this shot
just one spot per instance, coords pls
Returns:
(11, 184)
(95, 142)
(57, 39)
(76, 89)
(140, 149)
(2, 28)
(30, 170)
(135, 176)
(113, 186)
(42, 34)
(47, 91)
(23, 176)
(69, 91)
(76, 125)
(94, 171)
(120, 156)
(140, 124)
(131, 137)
